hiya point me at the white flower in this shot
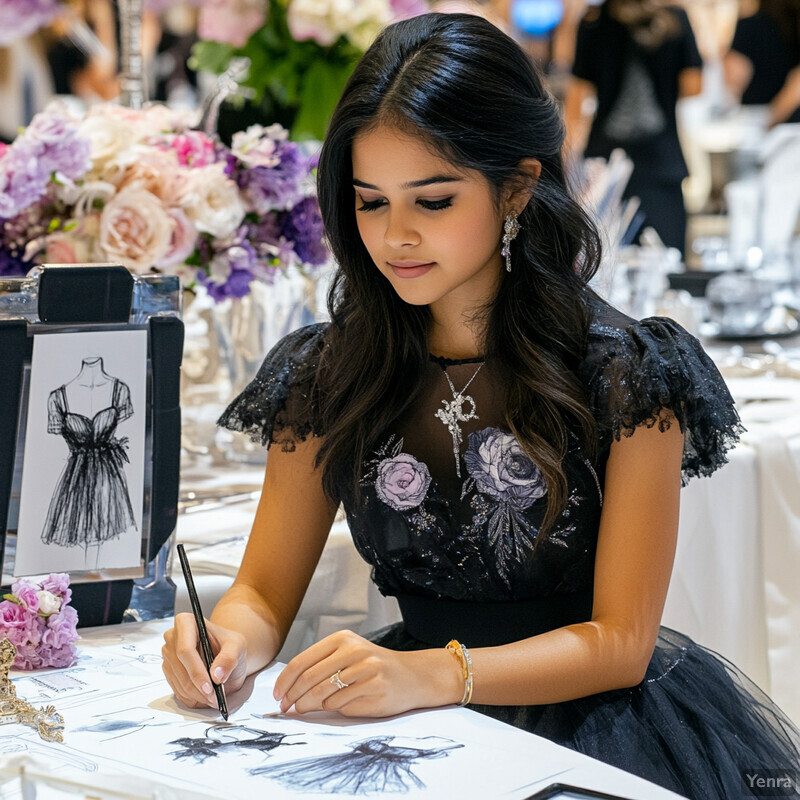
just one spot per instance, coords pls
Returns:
(90, 195)
(256, 146)
(48, 603)
(211, 200)
(135, 229)
(109, 137)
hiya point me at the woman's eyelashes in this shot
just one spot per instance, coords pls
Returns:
(429, 205)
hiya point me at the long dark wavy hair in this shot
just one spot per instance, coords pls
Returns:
(474, 96)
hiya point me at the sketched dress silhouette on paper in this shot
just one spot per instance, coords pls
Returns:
(377, 765)
(90, 503)
(228, 739)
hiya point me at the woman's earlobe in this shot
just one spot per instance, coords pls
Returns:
(529, 170)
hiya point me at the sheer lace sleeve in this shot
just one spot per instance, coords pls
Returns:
(635, 370)
(275, 407)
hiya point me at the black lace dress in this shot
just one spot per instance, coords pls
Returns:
(451, 535)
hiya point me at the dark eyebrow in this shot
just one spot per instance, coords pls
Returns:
(413, 184)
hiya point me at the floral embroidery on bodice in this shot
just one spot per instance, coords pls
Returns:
(427, 530)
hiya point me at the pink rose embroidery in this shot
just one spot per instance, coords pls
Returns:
(402, 482)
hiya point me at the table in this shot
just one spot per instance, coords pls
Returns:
(125, 735)
(735, 585)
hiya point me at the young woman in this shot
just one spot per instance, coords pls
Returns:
(637, 58)
(508, 448)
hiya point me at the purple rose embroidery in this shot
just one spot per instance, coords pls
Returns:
(502, 469)
(402, 481)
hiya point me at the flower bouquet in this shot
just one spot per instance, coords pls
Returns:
(20, 18)
(144, 189)
(38, 620)
(301, 52)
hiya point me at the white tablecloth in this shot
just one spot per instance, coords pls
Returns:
(736, 580)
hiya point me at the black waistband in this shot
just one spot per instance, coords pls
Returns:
(436, 622)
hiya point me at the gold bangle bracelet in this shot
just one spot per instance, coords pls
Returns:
(463, 656)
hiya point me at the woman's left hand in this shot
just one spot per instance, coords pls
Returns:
(376, 682)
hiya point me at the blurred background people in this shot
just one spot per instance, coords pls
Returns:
(762, 67)
(633, 60)
(25, 83)
(83, 51)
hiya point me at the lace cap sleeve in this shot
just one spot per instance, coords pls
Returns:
(275, 407)
(636, 371)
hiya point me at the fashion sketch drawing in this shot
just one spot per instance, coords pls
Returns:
(378, 765)
(228, 739)
(90, 504)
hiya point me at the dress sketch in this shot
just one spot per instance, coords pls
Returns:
(230, 739)
(373, 766)
(90, 503)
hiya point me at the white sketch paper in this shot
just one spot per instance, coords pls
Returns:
(139, 729)
(82, 494)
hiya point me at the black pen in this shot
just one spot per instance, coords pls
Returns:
(205, 644)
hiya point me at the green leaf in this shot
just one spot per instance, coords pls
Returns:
(211, 56)
(322, 87)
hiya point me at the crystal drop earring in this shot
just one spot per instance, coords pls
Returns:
(510, 230)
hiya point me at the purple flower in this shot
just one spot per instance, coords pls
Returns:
(10, 264)
(237, 284)
(277, 187)
(24, 175)
(502, 469)
(303, 227)
(64, 150)
(20, 18)
(25, 591)
(402, 482)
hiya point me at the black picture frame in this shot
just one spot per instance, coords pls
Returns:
(83, 297)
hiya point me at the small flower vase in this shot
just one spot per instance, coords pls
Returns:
(247, 328)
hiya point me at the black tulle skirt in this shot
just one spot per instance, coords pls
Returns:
(694, 725)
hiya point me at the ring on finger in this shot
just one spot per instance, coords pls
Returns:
(337, 681)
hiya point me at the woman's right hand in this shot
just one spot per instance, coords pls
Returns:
(185, 669)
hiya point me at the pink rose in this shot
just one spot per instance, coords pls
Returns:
(307, 19)
(25, 592)
(60, 657)
(60, 249)
(402, 482)
(61, 628)
(158, 172)
(135, 229)
(19, 625)
(193, 149)
(182, 241)
(58, 583)
(28, 657)
(231, 21)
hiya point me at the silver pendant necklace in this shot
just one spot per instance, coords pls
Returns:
(453, 413)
